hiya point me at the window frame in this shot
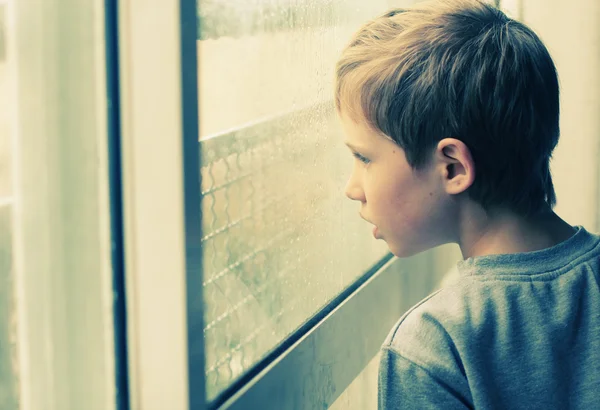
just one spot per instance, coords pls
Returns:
(157, 74)
(167, 87)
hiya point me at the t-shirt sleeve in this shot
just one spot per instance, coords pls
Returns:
(405, 385)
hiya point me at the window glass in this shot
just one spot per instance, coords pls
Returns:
(280, 239)
(8, 371)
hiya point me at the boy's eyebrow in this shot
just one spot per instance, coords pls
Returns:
(352, 147)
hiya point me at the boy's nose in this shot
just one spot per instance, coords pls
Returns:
(354, 191)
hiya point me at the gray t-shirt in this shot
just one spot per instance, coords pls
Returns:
(518, 331)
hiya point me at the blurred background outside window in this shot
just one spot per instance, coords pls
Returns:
(8, 358)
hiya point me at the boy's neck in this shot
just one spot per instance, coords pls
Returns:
(506, 232)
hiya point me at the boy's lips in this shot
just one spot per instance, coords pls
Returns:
(375, 228)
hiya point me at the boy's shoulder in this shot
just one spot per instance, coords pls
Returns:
(436, 333)
(431, 320)
(425, 334)
(493, 294)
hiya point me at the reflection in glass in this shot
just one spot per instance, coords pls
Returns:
(280, 239)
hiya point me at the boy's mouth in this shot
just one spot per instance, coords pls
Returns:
(375, 229)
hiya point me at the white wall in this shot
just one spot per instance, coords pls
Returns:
(571, 32)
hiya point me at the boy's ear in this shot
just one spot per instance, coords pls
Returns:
(456, 162)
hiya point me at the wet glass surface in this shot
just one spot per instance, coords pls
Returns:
(280, 238)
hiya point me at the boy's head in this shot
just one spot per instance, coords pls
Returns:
(466, 93)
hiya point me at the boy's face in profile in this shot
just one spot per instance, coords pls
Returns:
(410, 209)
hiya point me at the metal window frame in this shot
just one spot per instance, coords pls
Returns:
(116, 205)
(161, 191)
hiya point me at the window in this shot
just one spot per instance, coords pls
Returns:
(280, 239)
(175, 235)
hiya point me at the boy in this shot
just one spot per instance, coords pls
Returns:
(452, 112)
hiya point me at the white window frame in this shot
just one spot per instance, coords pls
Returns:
(161, 194)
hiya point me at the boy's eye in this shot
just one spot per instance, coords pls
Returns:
(361, 158)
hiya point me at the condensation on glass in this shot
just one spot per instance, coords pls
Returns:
(280, 239)
(8, 358)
